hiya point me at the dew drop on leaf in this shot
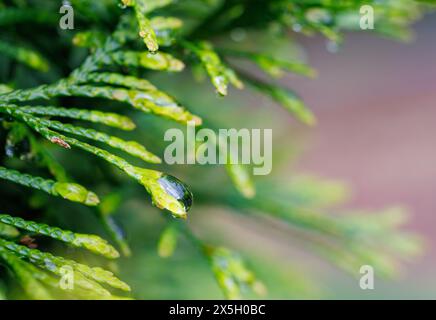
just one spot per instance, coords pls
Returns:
(177, 189)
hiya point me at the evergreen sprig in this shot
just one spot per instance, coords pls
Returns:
(130, 39)
(69, 191)
(90, 242)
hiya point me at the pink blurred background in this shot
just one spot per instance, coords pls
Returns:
(376, 104)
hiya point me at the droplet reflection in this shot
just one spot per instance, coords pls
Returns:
(177, 189)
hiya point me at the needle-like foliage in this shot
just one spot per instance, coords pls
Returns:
(117, 48)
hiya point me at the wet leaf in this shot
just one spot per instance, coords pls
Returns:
(287, 98)
(70, 191)
(90, 242)
(26, 56)
(168, 241)
(146, 31)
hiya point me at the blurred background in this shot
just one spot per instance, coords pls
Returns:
(376, 104)
(375, 100)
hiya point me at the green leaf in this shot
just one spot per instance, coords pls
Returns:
(167, 192)
(89, 39)
(13, 15)
(231, 273)
(110, 119)
(26, 56)
(168, 241)
(69, 191)
(4, 88)
(19, 135)
(53, 263)
(166, 29)
(121, 80)
(146, 31)
(150, 5)
(287, 99)
(7, 231)
(83, 290)
(155, 61)
(131, 147)
(273, 66)
(241, 179)
(91, 242)
(33, 288)
(152, 101)
(45, 159)
(219, 74)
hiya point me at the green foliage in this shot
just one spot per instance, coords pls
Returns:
(168, 241)
(287, 99)
(231, 273)
(107, 118)
(128, 42)
(23, 55)
(146, 30)
(220, 75)
(69, 191)
(90, 242)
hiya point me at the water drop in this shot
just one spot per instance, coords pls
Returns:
(167, 192)
(220, 83)
(177, 189)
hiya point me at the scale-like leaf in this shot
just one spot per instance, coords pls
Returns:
(146, 31)
(219, 74)
(110, 119)
(160, 61)
(167, 192)
(131, 147)
(121, 80)
(31, 286)
(150, 101)
(26, 56)
(168, 241)
(287, 99)
(231, 272)
(53, 263)
(69, 191)
(273, 66)
(91, 242)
